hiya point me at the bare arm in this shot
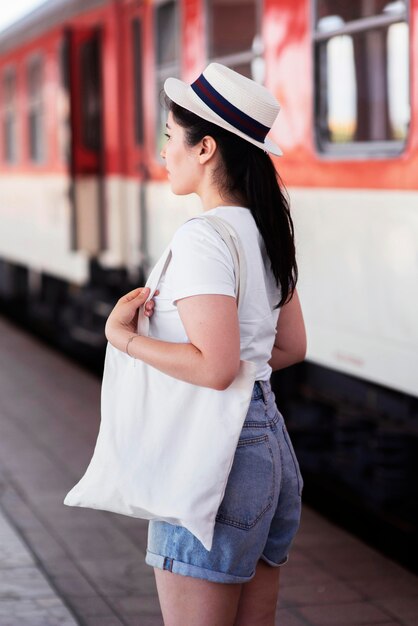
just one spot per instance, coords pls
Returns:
(212, 358)
(290, 343)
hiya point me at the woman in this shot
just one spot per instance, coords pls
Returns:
(217, 148)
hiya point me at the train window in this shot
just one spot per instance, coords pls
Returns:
(137, 80)
(239, 47)
(362, 104)
(9, 116)
(90, 94)
(36, 110)
(167, 40)
(167, 56)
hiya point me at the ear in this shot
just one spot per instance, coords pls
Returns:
(206, 149)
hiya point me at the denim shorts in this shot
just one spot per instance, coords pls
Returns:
(259, 514)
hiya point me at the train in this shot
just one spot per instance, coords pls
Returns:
(86, 209)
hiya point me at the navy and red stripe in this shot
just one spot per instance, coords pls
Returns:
(227, 111)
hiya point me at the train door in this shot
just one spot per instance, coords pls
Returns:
(135, 73)
(86, 159)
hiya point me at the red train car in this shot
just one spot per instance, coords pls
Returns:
(85, 207)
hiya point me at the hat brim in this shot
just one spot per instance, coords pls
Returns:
(182, 94)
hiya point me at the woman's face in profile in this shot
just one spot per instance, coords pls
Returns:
(181, 160)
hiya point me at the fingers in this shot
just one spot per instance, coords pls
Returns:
(149, 307)
(141, 294)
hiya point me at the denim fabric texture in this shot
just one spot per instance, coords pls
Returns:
(259, 514)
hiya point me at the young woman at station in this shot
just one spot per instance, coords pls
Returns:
(217, 148)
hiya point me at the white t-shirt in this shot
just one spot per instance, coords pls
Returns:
(201, 264)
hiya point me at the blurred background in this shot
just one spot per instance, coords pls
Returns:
(85, 208)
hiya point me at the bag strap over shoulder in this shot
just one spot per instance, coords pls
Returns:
(232, 240)
(230, 237)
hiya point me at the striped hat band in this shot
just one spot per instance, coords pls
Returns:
(227, 111)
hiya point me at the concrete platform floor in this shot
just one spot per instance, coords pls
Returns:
(63, 566)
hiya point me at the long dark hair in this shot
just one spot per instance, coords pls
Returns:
(248, 173)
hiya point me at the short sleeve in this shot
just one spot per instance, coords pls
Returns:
(201, 262)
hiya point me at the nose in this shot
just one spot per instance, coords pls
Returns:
(162, 153)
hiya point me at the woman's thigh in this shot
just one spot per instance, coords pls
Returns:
(196, 602)
(258, 599)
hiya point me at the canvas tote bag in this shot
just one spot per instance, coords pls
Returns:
(165, 447)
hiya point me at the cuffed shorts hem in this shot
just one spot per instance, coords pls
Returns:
(273, 563)
(187, 569)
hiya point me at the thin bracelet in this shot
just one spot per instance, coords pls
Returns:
(127, 345)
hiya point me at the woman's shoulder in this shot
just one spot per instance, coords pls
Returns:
(240, 218)
(196, 229)
(196, 242)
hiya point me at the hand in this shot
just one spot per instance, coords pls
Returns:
(124, 316)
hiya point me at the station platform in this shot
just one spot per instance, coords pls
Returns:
(70, 566)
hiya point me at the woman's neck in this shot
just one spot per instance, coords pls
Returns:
(210, 193)
(215, 199)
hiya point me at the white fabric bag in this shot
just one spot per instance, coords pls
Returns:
(165, 447)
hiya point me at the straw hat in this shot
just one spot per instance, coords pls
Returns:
(228, 99)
